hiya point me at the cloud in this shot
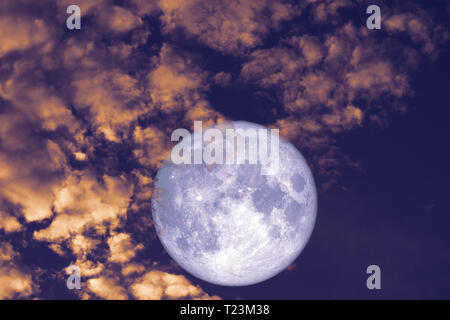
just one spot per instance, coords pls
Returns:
(333, 81)
(156, 285)
(85, 202)
(7, 252)
(311, 49)
(8, 222)
(22, 180)
(119, 19)
(132, 269)
(144, 7)
(82, 245)
(418, 25)
(152, 146)
(326, 11)
(376, 77)
(107, 288)
(228, 26)
(33, 166)
(87, 116)
(175, 84)
(61, 106)
(23, 33)
(87, 6)
(14, 282)
(222, 79)
(89, 268)
(121, 248)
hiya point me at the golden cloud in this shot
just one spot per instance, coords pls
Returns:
(122, 248)
(107, 288)
(230, 26)
(22, 33)
(175, 83)
(14, 282)
(120, 20)
(86, 201)
(64, 100)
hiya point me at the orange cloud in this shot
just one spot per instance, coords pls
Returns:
(14, 282)
(9, 223)
(114, 100)
(22, 33)
(119, 19)
(107, 288)
(66, 99)
(86, 202)
(311, 48)
(152, 146)
(175, 84)
(419, 27)
(230, 26)
(132, 269)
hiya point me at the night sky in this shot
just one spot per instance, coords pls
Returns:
(87, 114)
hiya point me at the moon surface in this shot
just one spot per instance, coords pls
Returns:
(230, 225)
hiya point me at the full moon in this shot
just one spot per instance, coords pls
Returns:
(230, 225)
